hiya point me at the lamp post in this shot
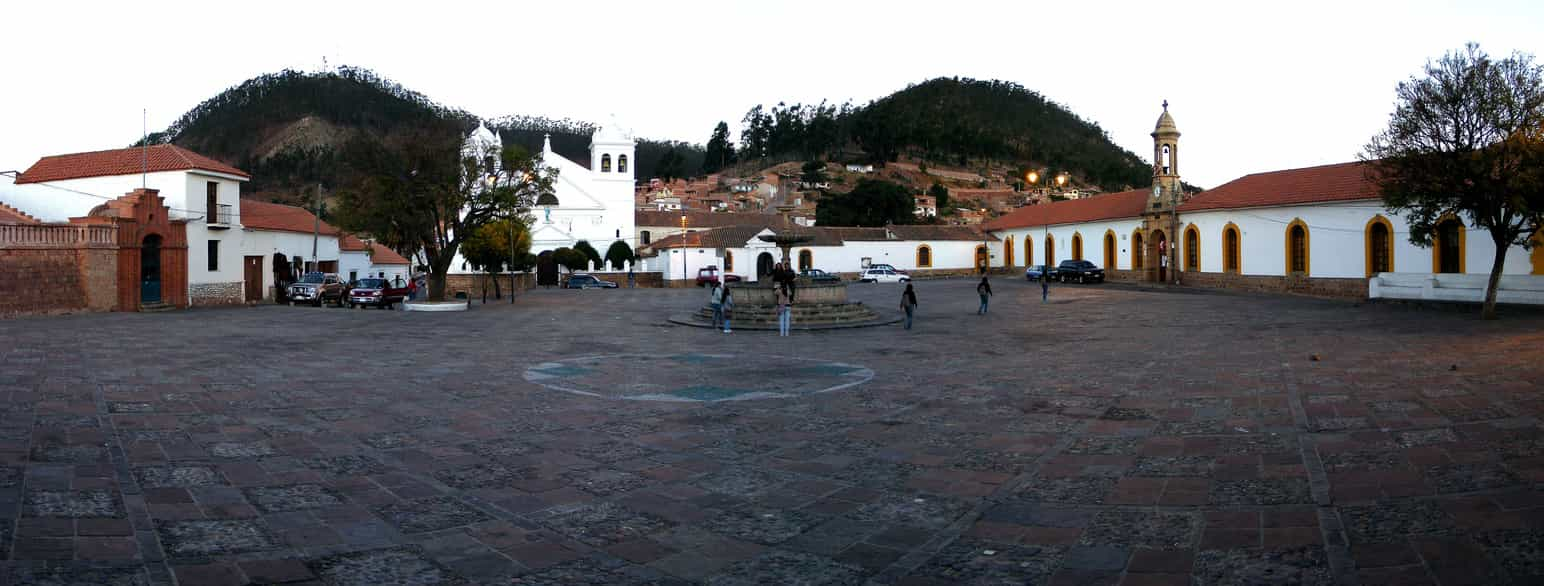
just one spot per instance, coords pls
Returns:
(1061, 181)
(684, 276)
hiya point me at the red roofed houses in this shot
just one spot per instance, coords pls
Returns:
(195, 188)
(277, 246)
(1318, 230)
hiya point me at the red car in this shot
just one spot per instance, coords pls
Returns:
(707, 276)
(373, 292)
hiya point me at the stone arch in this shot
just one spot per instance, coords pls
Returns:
(728, 261)
(1232, 249)
(1537, 255)
(1077, 246)
(983, 258)
(1050, 250)
(1008, 252)
(806, 259)
(1029, 250)
(1297, 248)
(605, 163)
(1137, 250)
(1109, 250)
(1378, 243)
(924, 256)
(1192, 248)
(1448, 252)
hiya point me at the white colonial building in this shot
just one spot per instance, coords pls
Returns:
(199, 189)
(739, 250)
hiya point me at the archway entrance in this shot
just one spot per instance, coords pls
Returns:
(764, 264)
(546, 269)
(1161, 248)
(983, 259)
(150, 270)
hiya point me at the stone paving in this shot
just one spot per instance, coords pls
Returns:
(1113, 436)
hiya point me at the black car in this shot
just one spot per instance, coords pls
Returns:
(1081, 271)
(587, 282)
(819, 276)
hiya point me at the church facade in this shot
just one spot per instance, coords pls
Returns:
(1318, 230)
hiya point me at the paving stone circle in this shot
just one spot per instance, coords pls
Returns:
(696, 377)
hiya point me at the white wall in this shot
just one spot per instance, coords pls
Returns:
(291, 244)
(1092, 234)
(183, 192)
(354, 261)
(1336, 241)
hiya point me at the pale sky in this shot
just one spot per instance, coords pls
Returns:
(1254, 86)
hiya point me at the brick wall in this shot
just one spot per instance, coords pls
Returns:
(57, 268)
(1320, 287)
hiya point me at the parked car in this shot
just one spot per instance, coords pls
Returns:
(707, 276)
(1033, 272)
(1081, 271)
(587, 282)
(376, 292)
(889, 268)
(317, 288)
(873, 275)
(819, 276)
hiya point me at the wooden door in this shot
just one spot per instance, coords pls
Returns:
(252, 273)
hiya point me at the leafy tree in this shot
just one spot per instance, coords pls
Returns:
(488, 248)
(618, 254)
(813, 172)
(872, 202)
(720, 152)
(940, 195)
(571, 259)
(591, 255)
(424, 193)
(671, 166)
(1466, 140)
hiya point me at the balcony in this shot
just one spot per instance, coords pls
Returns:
(219, 217)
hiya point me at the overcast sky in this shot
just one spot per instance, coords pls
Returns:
(1254, 86)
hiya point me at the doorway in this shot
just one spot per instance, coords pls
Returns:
(763, 265)
(252, 272)
(1162, 249)
(150, 270)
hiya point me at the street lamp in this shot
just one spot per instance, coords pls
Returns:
(684, 276)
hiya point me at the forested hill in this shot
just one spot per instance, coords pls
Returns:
(286, 128)
(954, 122)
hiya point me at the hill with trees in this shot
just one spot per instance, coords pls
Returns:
(288, 129)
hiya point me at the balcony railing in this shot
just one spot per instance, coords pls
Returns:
(219, 217)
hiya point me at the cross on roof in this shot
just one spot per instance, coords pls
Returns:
(1166, 105)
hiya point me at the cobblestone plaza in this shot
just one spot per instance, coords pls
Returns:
(1112, 436)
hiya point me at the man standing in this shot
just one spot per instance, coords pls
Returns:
(908, 303)
(716, 301)
(984, 289)
(1045, 285)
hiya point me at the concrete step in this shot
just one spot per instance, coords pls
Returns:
(156, 307)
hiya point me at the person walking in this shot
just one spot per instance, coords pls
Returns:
(784, 310)
(1045, 285)
(728, 307)
(716, 302)
(632, 279)
(984, 289)
(909, 303)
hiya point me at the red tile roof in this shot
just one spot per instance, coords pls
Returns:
(351, 243)
(10, 215)
(380, 255)
(130, 161)
(1326, 183)
(656, 219)
(1124, 204)
(259, 215)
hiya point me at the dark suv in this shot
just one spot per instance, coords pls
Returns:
(1081, 271)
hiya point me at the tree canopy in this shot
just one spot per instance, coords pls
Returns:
(872, 202)
(619, 254)
(489, 249)
(1465, 140)
(720, 151)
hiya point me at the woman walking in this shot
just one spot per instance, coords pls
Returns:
(728, 307)
(784, 310)
(908, 303)
(985, 291)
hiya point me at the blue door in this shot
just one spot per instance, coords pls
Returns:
(150, 270)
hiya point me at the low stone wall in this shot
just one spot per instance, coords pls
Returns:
(216, 294)
(51, 269)
(809, 294)
(1296, 284)
(472, 285)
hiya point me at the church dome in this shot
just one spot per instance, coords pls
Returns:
(482, 139)
(1165, 122)
(612, 131)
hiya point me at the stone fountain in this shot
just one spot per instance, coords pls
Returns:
(816, 306)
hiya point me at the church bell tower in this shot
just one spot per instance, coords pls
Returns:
(1156, 250)
(1166, 160)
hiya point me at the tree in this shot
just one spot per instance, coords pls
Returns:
(619, 254)
(571, 259)
(1465, 140)
(720, 152)
(489, 249)
(591, 256)
(427, 193)
(671, 166)
(872, 202)
(813, 172)
(940, 195)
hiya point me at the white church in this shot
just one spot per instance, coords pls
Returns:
(595, 201)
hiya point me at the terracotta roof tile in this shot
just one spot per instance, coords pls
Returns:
(706, 219)
(351, 243)
(130, 161)
(380, 255)
(1124, 204)
(1326, 183)
(259, 215)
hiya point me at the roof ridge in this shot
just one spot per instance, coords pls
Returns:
(1301, 169)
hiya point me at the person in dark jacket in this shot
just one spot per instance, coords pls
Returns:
(1045, 286)
(984, 289)
(909, 303)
